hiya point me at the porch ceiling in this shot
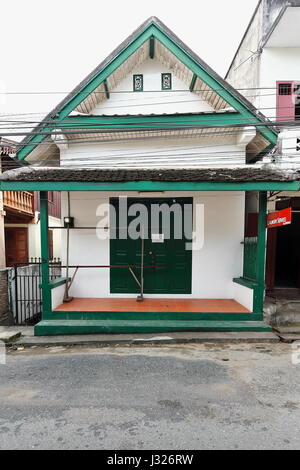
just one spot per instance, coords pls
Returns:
(108, 135)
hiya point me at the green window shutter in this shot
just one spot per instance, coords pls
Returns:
(138, 82)
(166, 81)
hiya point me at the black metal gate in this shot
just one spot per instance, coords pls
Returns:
(24, 289)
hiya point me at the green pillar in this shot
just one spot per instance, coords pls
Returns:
(46, 291)
(261, 253)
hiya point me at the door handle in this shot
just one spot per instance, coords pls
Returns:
(153, 259)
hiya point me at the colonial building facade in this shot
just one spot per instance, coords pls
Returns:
(152, 153)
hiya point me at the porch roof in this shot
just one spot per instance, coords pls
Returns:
(238, 174)
(245, 178)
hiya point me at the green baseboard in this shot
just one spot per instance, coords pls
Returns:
(157, 316)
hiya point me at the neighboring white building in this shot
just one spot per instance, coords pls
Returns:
(266, 69)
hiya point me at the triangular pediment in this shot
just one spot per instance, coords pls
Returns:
(187, 94)
(152, 43)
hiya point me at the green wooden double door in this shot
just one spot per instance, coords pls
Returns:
(167, 261)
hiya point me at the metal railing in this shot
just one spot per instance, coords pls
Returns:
(25, 296)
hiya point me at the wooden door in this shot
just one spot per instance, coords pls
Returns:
(16, 245)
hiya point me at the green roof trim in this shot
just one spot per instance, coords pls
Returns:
(149, 186)
(202, 120)
(152, 28)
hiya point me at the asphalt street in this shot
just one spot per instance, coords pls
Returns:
(172, 397)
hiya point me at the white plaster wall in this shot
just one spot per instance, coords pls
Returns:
(244, 295)
(158, 153)
(280, 63)
(213, 267)
(57, 296)
(149, 101)
(34, 238)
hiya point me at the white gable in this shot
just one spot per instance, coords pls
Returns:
(152, 100)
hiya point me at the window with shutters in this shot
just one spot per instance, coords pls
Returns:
(288, 101)
(138, 84)
(166, 81)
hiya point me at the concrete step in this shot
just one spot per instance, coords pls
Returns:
(194, 337)
(281, 312)
(63, 327)
(7, 335)
(289, 338)
(294, 329)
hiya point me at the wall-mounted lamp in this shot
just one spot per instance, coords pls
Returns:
(69, 222)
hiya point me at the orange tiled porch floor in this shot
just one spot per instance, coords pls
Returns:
(153, 305)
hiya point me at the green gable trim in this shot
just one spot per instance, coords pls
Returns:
(152, 122)
(86, 90)
(233, 101)
(106, 89)
(152, 48)
(153, 30)
(193, 82)
(179, 121)
(148, 186)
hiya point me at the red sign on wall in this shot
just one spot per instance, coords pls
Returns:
(280, 218)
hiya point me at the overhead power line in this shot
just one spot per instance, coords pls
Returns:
(78, 124)
(167, 153)
(47, 92)
(139, 126)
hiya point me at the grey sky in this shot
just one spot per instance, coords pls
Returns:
(51, 46)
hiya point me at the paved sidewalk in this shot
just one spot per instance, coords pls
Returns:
(27, 338)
